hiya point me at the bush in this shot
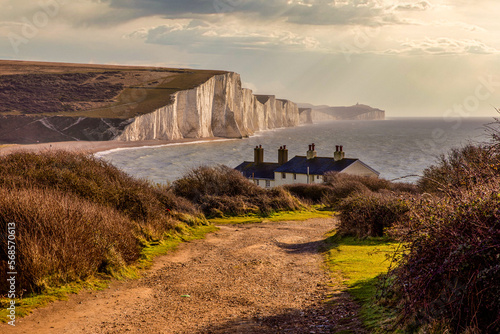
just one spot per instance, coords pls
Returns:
(335, 179)
(451, 264)
(461, 168)
(222, 190)
(76, 216)
(315, 193)
(447, 276)
(61, 238)
(94, 180)
(370, 214)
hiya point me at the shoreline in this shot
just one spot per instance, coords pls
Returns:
(100, 148)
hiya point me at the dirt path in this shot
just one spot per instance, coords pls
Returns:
(258, 278)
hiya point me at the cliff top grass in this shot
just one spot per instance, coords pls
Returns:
(85, 90)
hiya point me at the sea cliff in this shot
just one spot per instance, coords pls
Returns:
(220, 107)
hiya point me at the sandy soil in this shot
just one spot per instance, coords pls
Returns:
(256, 278)
(92, 146)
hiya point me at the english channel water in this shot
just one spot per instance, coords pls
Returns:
(395, 147)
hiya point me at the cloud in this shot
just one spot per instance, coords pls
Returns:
(367, 12)
(446, 24)
(302, 12)
(461, 25)
(206, 37)
(414, 6)
(443, 46)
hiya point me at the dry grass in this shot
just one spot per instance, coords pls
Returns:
(61, 238)
(153, 207)
(221, 191)
(77, 216)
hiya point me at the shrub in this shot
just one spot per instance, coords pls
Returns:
(94, 180)
(60, 238)
(223, 190)
(461, 168)
(447, 276)
(372, 183)
(450, 268)
(403, 187)
(343, 190)
(315, 193)
(369, 214)
(76, 216)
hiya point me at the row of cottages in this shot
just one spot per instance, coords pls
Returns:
(300, 169)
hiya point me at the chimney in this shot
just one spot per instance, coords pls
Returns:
(282, 155)
(311, 154)
(258, 154)
(339, 153)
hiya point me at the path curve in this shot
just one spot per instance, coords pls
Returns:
(255, 278)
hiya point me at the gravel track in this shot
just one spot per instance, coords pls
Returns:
(255, 278)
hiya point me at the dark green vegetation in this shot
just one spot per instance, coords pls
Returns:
(445, 277)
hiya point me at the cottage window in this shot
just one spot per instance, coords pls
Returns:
(268, 183)
(294, 176)
(317, 177)
(283, 175)
(257, 182)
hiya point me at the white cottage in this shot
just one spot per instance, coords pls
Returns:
(301, 169)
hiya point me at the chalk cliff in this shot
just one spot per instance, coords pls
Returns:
(131, 104)
(220, 107)
(310, 113)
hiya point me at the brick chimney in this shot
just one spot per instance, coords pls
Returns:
(258, 154)
(311, 154)
(283, 155)
(339, 153)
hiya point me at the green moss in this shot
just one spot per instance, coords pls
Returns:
(359, 264)
(28, 303)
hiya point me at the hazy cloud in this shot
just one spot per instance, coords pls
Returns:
(444, 46)
(202, 36)
(310, 12)
(414, 6)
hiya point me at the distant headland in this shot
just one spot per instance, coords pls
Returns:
(312, 114)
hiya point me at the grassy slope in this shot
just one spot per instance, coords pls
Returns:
(150, 88)
(148, 99)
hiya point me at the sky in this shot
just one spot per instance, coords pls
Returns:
(428, 58)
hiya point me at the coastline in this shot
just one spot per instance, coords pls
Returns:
(101, 147)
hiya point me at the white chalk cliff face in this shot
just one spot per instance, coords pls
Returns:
(220, 107)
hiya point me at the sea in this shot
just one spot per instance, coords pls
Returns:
(396, 147)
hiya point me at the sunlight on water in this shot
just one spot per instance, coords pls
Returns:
(394, 147)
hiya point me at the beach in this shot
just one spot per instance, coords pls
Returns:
(92, 147)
